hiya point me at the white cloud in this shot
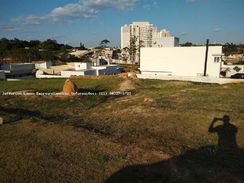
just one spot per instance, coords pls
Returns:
(72, 11)
(191, 1)
(217, 29)
(80, 10)
(100, 4)
(151, 5)
(13, 28)
(35, 20)
(183, 33)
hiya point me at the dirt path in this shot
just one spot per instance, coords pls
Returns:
(126, 85)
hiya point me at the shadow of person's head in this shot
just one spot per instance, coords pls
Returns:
(226, 119)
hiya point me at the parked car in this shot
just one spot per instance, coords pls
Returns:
(238, 76)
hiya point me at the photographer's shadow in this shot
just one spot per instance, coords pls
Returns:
(226, 134)
(223, 162)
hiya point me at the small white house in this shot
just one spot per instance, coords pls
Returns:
(42, 64)
(82, 65)
(181, 61)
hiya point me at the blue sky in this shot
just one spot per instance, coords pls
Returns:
(90, 21)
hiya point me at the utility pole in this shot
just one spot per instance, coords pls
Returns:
(206, 59)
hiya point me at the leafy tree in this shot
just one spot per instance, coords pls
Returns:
(133, 49)
(3, 48)
(50, 45)
(82, 46)
(229, 48)
(104, 43)
(18, 55)
(16, 49)
(48, 55)
(187, 44)
(35, 44)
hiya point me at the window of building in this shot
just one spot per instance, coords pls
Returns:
(216, 59)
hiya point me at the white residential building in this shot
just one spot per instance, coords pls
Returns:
(146, 34)
(180, 61)
(142, 31)
(78, 69)
(165, 42)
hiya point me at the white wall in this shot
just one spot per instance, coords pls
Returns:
(191, 79)
(179, 61)
(43, 65)
(231, 70)
(72, 73)
(69, 73)
(82, 65)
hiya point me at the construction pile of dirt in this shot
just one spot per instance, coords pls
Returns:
(69, 87)
(132, 75)
(123, 75)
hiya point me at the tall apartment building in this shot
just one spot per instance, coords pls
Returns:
(146, 35)
(143, 31)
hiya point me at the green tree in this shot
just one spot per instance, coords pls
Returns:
(50, 45)
(187, 44)
(4, 43)
(133, 49)
(35, 44)
(104, 43)
(82, 46)
(229, 48)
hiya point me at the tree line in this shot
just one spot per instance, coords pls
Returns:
(26, 51)
(228, 48)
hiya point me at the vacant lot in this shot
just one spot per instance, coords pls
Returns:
(158, 134)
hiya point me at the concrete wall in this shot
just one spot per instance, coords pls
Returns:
(43, 65)
(195, 79)
(45, 76)
(18, 69)
(231, 71)
(2, 75)
(180, 61)
(69, 73)
(59, 68)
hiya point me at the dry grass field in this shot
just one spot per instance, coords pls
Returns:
(158, 134)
